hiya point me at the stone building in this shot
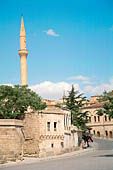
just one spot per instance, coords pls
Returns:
(49, 132)
(101, 126)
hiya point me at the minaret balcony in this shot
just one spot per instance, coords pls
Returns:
(23, 52)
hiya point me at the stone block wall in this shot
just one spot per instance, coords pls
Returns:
(51, 145)
(11, 140)
(31, 134)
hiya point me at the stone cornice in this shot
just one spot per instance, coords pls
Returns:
(11, 122)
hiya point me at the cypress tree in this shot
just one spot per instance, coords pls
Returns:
(74, 103)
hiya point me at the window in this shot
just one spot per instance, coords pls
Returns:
(98, 118)
(105, 118)
(55, 126)
(89, 119)
(52, 145)
(94, 132)
(106, 132)
(95, 118)
(64, 120)
(110, 134)
(62, 144)
(109, 119)
(48, 126)
(98, 134)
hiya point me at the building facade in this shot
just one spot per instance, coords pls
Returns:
(49, 132)
(101, 126)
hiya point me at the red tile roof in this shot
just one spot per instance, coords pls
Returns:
(94, 105)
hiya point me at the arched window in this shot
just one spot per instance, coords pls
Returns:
(94, 118)
(110, 134)
(109, 118)
(98, 118)
(89, 119)
(98, 134)
(106, 132)
(105, 118)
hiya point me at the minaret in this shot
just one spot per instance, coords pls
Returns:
(23, 54)
(64, 97)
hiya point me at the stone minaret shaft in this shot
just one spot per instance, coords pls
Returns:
(23, 54)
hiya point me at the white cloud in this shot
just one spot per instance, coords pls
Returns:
(93, 90)
(51, 90)
(51, 32)
(82, 79)
(79, 77)
(7, 85)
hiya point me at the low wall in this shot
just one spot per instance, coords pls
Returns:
(72, 139)
(11, 140)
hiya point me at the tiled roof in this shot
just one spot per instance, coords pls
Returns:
(94, 105)
(54, 110)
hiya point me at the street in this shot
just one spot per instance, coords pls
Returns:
(94, 160)
(101, 158)
(103, 144)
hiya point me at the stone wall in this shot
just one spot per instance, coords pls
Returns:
(31, 134)
(11, 140)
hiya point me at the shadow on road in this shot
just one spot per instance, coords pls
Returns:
(110, 155)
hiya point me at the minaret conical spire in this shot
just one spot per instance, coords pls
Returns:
(22, 35)
(22, 30)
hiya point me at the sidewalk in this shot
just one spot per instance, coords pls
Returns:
(31, 160)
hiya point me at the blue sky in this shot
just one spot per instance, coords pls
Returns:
(69, 41)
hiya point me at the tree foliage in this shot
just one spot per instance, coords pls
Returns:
(14, 101)
(107, 99)
(74, 104)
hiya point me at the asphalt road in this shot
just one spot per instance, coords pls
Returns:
(103, 144)
(94, 160)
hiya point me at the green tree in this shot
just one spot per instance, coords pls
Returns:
(14, 101)
(74, 104)
(107, 100)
